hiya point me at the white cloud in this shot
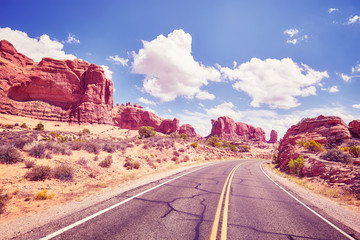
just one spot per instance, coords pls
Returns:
(107, 72)
(151, 110)
(291, 32)
(292, 41)
(118, 60)
(297, 40)
(356, 106)
(204, 95)
(353, 19)
(274, 82)
(170, 70)
(345, 77)
(355, 69)
(35, 48)
(72, 39)
(146, 101)
(332, 10)
(333, 89)
(224, 109)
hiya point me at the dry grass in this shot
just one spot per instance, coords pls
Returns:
(321, 188)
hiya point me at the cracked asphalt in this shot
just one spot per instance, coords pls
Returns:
(185, 208)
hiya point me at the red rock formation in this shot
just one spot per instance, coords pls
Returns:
(226, 128)
(320, 129)
(273, 137)
(134, 117)
(354, 127)
(64, 90)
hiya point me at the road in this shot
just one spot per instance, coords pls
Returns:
(232, 199)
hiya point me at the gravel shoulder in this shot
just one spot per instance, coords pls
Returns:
(341, 213)
(25, 224)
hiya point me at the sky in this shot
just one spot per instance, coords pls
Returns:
(266, 63)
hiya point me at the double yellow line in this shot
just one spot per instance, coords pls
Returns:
(215, 224)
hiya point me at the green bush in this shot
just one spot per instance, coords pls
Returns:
(39, 173)
(43, 195)
(214, 141)
(9, 155)
(24, 125)
(106, 163)
(194, 145)
(184, 136)
(296, 165)
(336, 155)
(86, 131)
(312, 146)
(146, 132)
(64, 172)
(131, 164)
(39, 127)
(354, 151)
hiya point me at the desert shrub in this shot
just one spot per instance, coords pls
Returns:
(39, 173)
(296, 165)
(214, 141)
(92, 147)
(106, 163)
(82, 161)
(9, 126)
(20, 143)
(109, 148)
(244, 148)
(194, 145)
(181, 150)
(183, 136)
(64, 172)
(336, 155)
(77, 145)
(146, 132)
(312, 146)
(39, 127)
(86, 131)
(24, 125)
(186, 158)
(3, 199)
(275, 159)
(176, 153)
(43, 195)
(354, 151)
(29, 163)
(174, 159)
(131, 164)
(38, 151)
(9, 155)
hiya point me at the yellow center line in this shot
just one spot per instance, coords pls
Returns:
(215, 225)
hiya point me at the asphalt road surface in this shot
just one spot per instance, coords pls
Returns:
(226, 200)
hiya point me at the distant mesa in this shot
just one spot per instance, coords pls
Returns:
(226, 128)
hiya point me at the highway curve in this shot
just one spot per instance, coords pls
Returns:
(225, 200)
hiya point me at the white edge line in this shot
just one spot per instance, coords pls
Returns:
(75, 224)
(311, 210)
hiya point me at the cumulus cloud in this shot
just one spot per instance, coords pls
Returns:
(332, 10)
(72, 39)
(291, 32)
(204, 95)
(297, 40)
(274, 82)
(356, 106)
(35, 48)
(107, 72)
(345, 77)
(118, 60)
(355, 69)
(170, 69)
(146, 101)
(333, 89)
(354, 19)
(224, 109)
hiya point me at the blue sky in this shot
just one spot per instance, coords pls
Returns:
(265, 63)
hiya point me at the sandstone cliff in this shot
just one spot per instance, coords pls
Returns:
(63, 90)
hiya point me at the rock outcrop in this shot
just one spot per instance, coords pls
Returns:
(354, 128)
(63, 90)
(227, 129)
(133, 117)
(324, 130)
(273, 137)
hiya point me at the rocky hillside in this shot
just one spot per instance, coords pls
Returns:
(133, 117)
(63, 90)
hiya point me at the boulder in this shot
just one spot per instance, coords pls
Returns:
(354, 128)
(226, 128)
(63, 90)
(189, 131)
